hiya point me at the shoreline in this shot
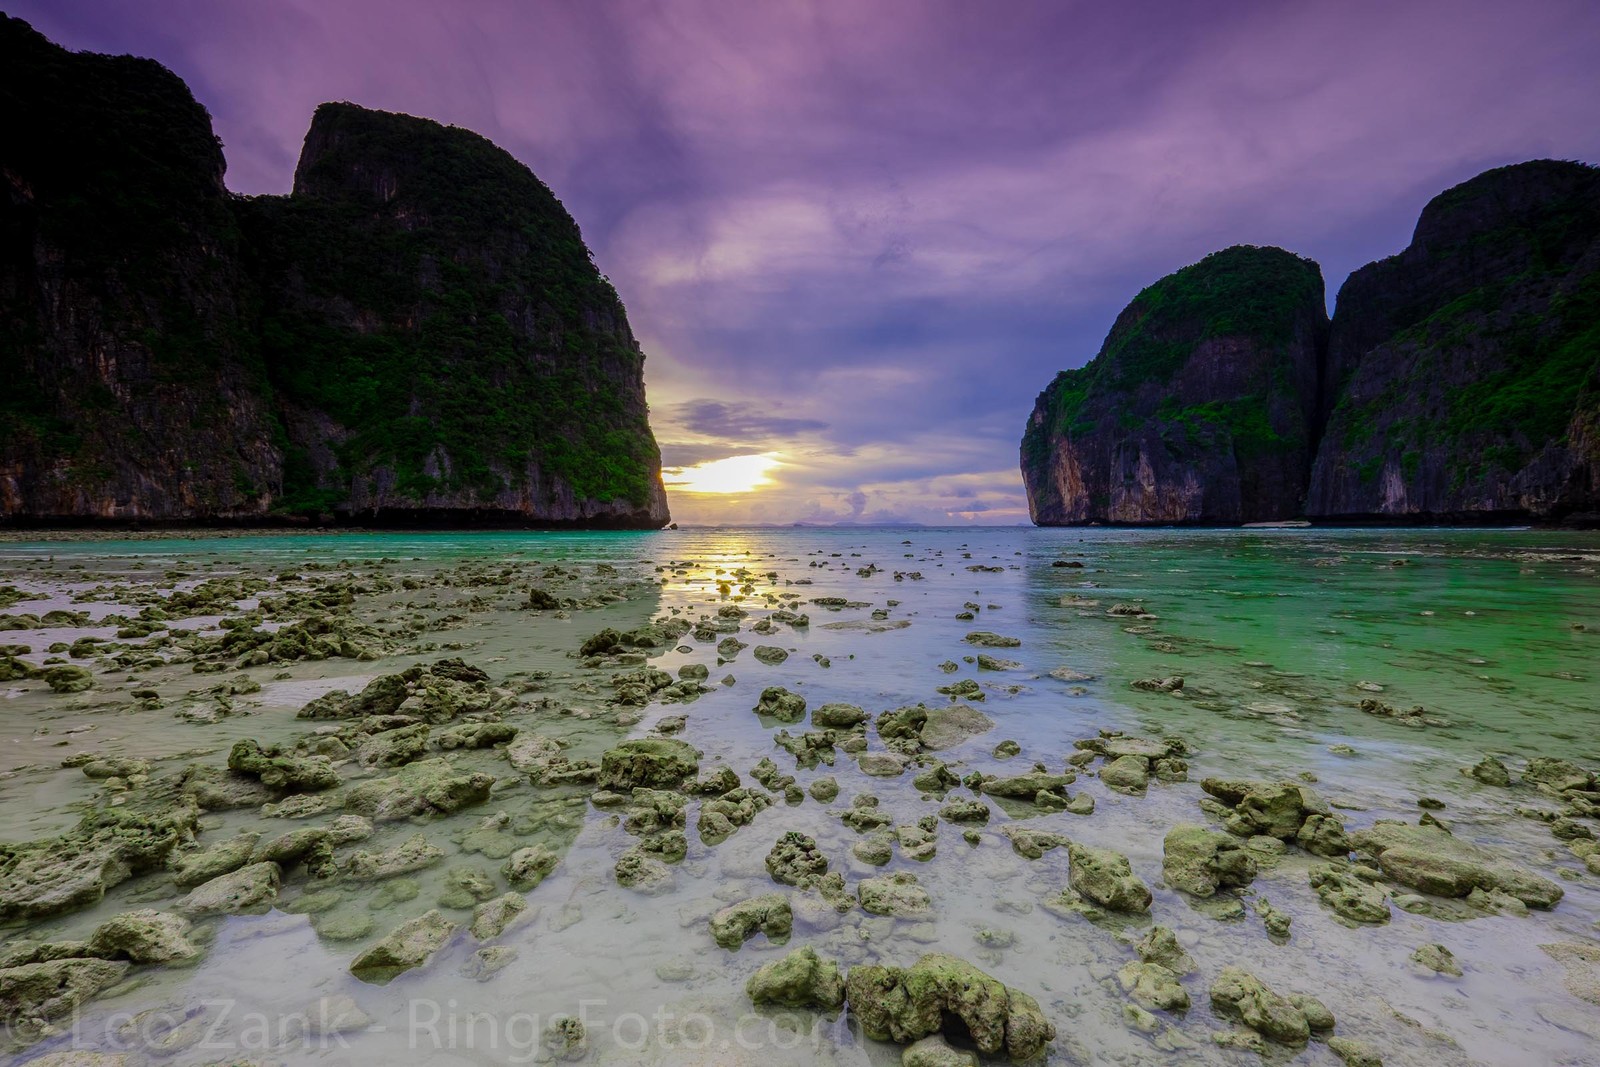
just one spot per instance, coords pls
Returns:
(107, 532)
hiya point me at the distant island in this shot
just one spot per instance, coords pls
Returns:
(1458, 381)
(416, 335)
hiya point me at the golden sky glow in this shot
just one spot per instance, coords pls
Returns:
(736, 474)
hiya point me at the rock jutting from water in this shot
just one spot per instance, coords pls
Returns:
(262, 358)
(1449, 383)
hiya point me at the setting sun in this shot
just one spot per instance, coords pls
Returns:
(736, 474)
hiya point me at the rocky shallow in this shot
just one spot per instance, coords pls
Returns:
(660, 774)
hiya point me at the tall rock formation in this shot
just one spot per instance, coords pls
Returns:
(417, 334)
(130, 382)
(1201, 406)
(1464, 373)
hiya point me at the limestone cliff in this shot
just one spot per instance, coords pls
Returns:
(1199, 408)
(130, 386)
(1464, 372)
(416, 334)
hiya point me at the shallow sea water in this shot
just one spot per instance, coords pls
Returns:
(1278, 634)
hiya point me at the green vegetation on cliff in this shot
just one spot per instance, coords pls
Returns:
(1241, 292)
(1207, 374)
(1244, 291)
(397, 268)
(417, 329)
(1472, 353)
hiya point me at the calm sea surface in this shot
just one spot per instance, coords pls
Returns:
(1278, 635)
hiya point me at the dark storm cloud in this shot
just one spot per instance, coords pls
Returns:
(898, 220)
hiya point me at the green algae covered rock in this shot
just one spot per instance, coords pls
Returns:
(935, 1051)
(527, 867)
(905, 1004)
(796, 860)
(409, 945)
(838, 717)
(476, 735)
(769, 914)
(657, 762)
(35, 993)
(490, 919)
(1199, 861)
(1241, 996)
(1489, 771)
(802, 979)
(414, 854)
(249, 890)
(1106, 878)
(1353, 1052)
(192, 868)
(1430, 860)
(1025, 786)
(1350, 897)
(145, 936)
(776, 702)
(1282, 810)
(286, 773)
(1128, 774)
(68, 679)
(73, 870)
(721, 816)
(425, 788)
(896, 895)
(311, 845)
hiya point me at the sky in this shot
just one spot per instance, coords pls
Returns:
(856, 238)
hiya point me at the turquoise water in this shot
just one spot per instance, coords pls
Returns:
(1278, 635)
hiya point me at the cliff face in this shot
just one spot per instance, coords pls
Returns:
(1199, 408)
(1465, 371)
(1458, 380)
(416, 334)
(131, 384)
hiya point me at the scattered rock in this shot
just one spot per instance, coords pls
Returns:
(222, 858)
(280, 771)
(985, 639)
(1350, 897)
(146, 936)
(1437, 959)
(414, 854)
(422, 789)
(409, 945)
(769, 914)
(490, 919)
(935, 1051)
(1199, 861)
(34, 993)
(1126, 774)
(907, 1004)
(1354, 1053)
(801, 979)
(778, 703)
(248, 890)
(1106, 878)
(896, 895)
(527, 867)
(1430, 860)
(656, 762)
(1241, 996)
(795, 860)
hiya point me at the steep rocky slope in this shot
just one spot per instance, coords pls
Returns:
(1465, 371)
(417, 334)
(1200, 407)
(1459, 380)
(131, 384)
